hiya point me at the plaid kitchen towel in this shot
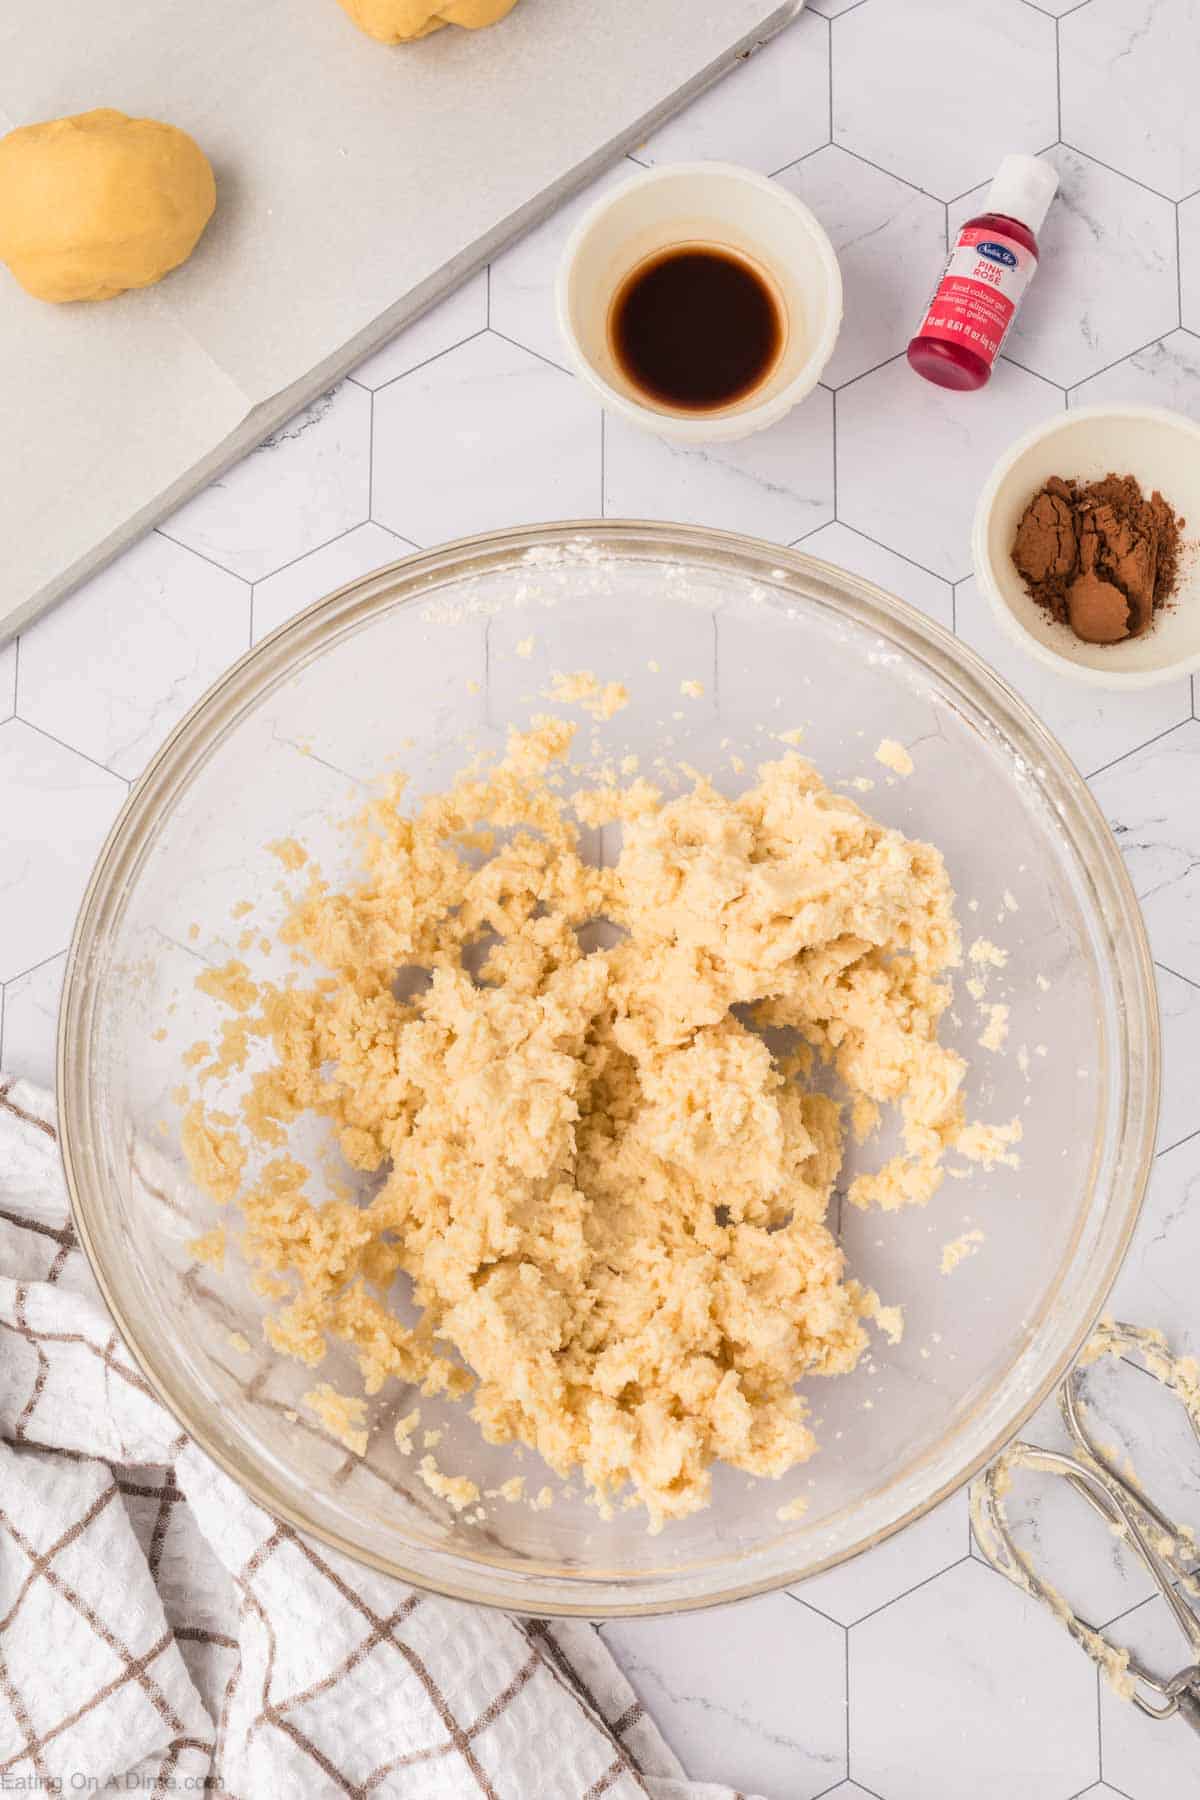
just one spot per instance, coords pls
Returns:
(160, 1633)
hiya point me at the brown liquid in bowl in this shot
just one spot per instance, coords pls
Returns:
(696, 327)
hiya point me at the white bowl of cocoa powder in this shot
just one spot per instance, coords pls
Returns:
(1087, 543)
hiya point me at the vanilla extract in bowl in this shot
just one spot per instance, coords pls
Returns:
(697, 327)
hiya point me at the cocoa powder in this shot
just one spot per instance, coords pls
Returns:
(1099, 556)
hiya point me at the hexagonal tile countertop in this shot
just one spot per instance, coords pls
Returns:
(914, 1673)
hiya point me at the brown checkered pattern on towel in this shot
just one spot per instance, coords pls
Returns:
(157, 1626)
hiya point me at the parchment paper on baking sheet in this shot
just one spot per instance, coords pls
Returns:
(356, 183)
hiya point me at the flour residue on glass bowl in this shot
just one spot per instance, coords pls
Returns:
(734, 644)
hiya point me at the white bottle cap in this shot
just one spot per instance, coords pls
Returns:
(1023, 189)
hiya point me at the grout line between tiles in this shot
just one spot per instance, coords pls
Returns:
(371, 459)
(517, 345)
(834, 448)
(829, 64)
(192, 551)
(784, 168)
(83, 756)
(846, 1653)
(863, 373)
(425, 361)
(1113, 170)
(1036, 373)
(811, 1607)
(1129, 356)
(32, 970)
(335, 539)
(890, 173)
(1168, 970)
(947, 580)
(914, 1589)
(1186, 1139)
(1144, 745)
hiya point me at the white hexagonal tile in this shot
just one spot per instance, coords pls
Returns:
(912, 457)
(776, 484)
(890, 241)
(763, 115)
(57, 808)
(848, 549)
(459, 316)
(117, 665)
(1107, 281)
(751, 1695)
(280, 596)
(31, 1022)
(1179, 1010)
(938, 94)
(1189, 262)
(521, 305)
(488, 435)
(967, 1687)
(1128, 88)
(309, 481)
(1157, 1283)
(8, 680)
(1165, 373)
(892, 1568)
(1094, 725)
(1149, 799)
(1148, 1759)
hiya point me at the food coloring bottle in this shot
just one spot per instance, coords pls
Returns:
(992, 263)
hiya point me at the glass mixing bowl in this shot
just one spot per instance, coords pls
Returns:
(412, 667)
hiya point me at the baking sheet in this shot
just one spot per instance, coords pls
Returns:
(356, 184)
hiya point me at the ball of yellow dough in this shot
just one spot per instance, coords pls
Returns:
(97, 203)
(399, 21)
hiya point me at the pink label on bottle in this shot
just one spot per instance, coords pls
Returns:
(980, 287)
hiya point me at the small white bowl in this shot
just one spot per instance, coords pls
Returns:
(701, 203)
(1162, 449)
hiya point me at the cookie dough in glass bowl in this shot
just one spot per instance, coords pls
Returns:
(731, 655)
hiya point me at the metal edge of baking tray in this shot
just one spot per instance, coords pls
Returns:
(270, 414)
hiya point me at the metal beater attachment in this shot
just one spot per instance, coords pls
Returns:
(1169, 1551)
